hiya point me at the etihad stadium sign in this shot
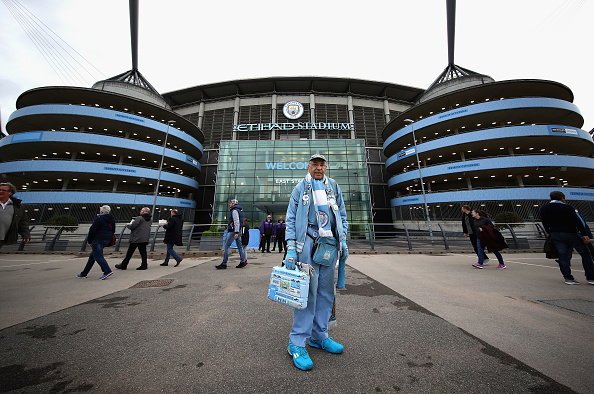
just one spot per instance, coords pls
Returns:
(294, 126)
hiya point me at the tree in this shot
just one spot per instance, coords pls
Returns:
(507, 217)
(58, 221)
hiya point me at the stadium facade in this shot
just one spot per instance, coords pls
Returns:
(71, 150)
(498, 145)
(260, 133)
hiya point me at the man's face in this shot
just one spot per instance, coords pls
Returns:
(280, 218)
(317, 169)
(466, 211)
(231, 205)
(269, 218)
(4, 193)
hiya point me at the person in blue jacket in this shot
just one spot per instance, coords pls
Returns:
(100, 235)
(316, 212)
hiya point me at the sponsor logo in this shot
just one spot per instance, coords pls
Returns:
(563, 130)
(405, 153)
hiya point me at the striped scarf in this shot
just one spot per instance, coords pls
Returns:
(318, 191)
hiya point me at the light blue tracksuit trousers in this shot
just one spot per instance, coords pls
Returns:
(312, 322)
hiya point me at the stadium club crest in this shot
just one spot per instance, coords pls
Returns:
(293, 109)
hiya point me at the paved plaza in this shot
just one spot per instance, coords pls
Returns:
(413, 323)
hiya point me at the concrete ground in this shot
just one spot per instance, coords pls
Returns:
(410, 322)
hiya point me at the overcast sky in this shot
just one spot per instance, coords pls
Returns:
(184, 43)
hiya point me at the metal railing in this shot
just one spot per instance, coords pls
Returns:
(362, 236)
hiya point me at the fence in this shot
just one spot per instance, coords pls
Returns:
(362, 236)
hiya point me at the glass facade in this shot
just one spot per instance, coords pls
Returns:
(262, 174)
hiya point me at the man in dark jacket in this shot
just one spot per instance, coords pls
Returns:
(173, 236)
(469, 231)
(279, 232)
(245, 237)
(13, 218)
(563, 224)
(140, 232)
(234, 234)
(266, 229)
(100, 235)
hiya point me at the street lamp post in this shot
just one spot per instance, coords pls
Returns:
(169, 123)
(410, 121)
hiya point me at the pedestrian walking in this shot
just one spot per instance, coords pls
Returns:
(13, 218)
(245, 237)
(100, 235)
(140, 232)
(469, 230)
(487, 237)
(567, 231)
(173, 236)
(234, 234)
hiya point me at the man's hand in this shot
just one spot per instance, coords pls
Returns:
(586, 239)
(290, 260)
(344, 250)
(26, 240)
(236, 235)
(465, 235)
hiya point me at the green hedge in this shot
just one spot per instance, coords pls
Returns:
(58, 221)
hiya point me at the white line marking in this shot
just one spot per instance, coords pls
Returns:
(36, 263)
(515, 262)
(534, 265)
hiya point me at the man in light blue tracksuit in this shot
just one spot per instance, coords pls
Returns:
(316, 211)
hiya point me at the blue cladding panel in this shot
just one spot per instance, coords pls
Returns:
(69, 197)
(491, 106)
(503, 194)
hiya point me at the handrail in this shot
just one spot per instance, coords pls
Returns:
(382, 236)
(445, 239)
(407, 237)
(52, 244)
(190, 237)
(152, 249)
(84, 244)
(513, 234)
(117, 246)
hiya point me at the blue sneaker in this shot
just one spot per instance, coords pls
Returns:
(105, 276)
(300, 357)
(328, 345)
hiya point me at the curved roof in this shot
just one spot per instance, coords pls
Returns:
(478, 93)
(288, 85)
(105, 99)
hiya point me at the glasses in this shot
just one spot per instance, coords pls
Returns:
(5, 190)
(315, 165)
